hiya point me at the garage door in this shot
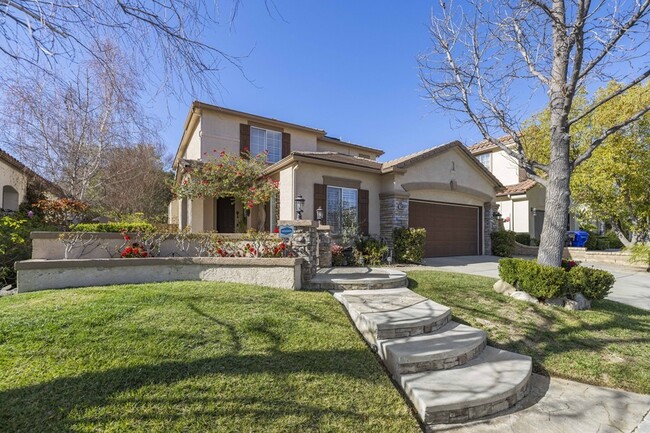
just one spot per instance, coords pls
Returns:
(452, 230)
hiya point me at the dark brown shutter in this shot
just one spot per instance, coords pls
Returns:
(522, 174)
(363, 199)
(320, 200)
(244, 139)
(286, 144)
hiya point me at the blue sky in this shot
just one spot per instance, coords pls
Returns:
(347, 67)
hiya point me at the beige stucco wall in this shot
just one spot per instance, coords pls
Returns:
(220, 131)
(193, 150)
(452, 165)
(306, 175)
(505, 168)
(518, 211)
(9, 176)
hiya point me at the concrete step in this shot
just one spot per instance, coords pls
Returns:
(392, 313)
(452, 345)
(490, 383)
(357, 279)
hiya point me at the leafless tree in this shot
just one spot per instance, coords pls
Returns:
(133, 179)
(66, 130)
(487, 56)
(169, 38)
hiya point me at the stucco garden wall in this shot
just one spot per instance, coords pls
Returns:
(34, 275)
(618, 258)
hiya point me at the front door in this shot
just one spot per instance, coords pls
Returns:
(225, 215)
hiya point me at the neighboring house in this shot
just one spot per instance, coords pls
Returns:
(14, 178)
(522, 202)
(443, 189)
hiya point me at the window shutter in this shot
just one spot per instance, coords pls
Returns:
(522, 174)
(363, 212)
(244, 138)
(286, 144)
(320, 200)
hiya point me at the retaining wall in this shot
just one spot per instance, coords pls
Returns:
(618, 258)
(35, 274)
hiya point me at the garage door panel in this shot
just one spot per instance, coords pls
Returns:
(452, 230)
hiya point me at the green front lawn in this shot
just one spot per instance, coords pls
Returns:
(189, 357)
(608, 345)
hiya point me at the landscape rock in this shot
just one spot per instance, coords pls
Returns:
(523, 296)
(8, 290)
(556, 302)
(503, 287)
(579, 302)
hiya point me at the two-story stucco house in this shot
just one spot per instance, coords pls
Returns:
(444, 188)
(522, 201)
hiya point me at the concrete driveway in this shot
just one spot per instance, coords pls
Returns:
(632, 286)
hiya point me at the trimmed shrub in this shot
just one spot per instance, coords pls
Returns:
(408, 244)
(372, 250)
(523, 238)
(592, 283)
(112, 227)
(540, 281)
(503, 243)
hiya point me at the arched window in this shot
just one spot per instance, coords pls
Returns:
(9, 198)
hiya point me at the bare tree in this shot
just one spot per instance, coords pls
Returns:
(133, 179)
(168, 37)
(487, 57)
(65, 131)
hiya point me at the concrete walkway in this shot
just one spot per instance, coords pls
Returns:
(632, 287)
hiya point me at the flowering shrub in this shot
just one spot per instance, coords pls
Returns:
(338, 256)
(130, 250)
(259, 244)
(61, 212)
(238, 177)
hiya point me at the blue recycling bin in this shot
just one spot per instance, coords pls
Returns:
(580, 239)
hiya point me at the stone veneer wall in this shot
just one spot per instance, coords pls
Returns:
(393, 212)
(489, 225)
(304, 243)
(324, 247)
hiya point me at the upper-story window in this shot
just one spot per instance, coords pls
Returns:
(266, 140)
(486, 160)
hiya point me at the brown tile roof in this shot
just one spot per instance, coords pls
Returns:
(485, 145)
(518, 188)
(19, 166)
(341, 158)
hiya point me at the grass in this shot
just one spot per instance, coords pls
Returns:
(189, 357)
(608, 345)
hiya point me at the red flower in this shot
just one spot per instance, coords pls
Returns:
(128, 250)
(144, 254)
(136, 251)
(127, 237)
(276, 230)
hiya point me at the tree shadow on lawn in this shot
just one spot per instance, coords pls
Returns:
(59, 405)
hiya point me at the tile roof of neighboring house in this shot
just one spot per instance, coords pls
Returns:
(19, 166)
(485, 145)
(518, 188)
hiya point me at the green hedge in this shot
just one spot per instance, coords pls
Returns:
(523, 238)
(372, 250)
(592, 283)
(112, 227)
(408, 244)
(503, 243)
(546, 282)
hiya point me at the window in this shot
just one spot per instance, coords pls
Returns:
(342, 210)
(486, 160)
(266, 140)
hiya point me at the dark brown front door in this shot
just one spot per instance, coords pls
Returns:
(225, 215)
(452, 230)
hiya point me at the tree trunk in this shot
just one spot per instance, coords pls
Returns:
(621, 236)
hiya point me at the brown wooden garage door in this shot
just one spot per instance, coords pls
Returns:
(452, 230)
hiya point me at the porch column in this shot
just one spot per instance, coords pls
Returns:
(489, 225)
(304, 243)
(393, 212)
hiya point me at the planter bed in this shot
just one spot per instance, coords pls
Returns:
(36, 274)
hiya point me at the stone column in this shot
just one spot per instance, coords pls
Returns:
(324, 247)
(489, 226)
(393, 212)
(304, 243)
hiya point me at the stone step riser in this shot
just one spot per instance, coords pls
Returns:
(361, 285)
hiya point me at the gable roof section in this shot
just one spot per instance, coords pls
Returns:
(346, 143)
(19, 166)
(485, 146)
(518, 188)
(408, 160)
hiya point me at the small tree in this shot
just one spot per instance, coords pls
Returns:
(241, 178)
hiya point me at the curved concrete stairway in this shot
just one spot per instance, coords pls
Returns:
(445, 368)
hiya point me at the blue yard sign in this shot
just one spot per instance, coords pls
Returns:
(286, 231)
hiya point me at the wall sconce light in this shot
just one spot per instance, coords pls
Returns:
(300, 202)
(496, 214)
(401, 205)
(320, 214)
